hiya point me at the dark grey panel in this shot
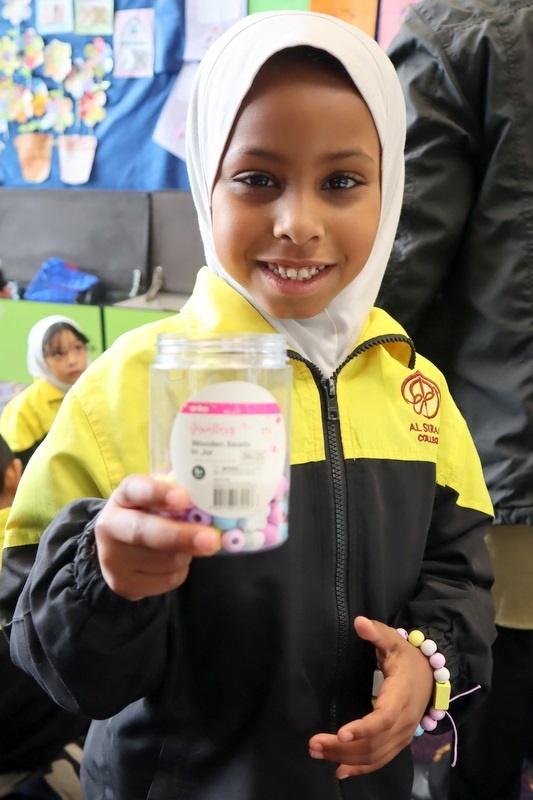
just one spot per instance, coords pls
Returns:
(175, 240)
(103, 232)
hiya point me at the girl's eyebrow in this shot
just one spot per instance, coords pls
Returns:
(271, 155)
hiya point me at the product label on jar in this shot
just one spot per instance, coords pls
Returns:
(228, 448)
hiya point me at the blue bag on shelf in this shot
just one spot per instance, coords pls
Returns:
(57, 281)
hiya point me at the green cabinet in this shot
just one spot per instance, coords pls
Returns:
(101, 324)
(117, 321)
(17, 317)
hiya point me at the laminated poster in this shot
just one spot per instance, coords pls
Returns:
(391, 16)
(205, 21)
(170, 129)
(133, 43)
(93, 17)
(54, 16)
(363, 13)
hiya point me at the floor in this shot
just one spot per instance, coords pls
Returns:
(432, 751)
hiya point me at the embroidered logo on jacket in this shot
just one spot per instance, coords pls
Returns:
(423, 395)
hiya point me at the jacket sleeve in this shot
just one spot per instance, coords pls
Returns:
(66, 607)
(443, 133)
(453, 603)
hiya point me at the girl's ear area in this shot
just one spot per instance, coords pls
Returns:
(12, 476)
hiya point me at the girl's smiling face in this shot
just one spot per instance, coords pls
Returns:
(296, 202)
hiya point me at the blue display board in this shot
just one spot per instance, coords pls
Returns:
(126, 156)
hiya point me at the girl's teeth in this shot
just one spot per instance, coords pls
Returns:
(293, 274)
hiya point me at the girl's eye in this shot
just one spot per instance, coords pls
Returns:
(341, 182)
(256, 179)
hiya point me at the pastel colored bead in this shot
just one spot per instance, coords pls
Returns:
(283, 529)
(271, 535)
(428, 647)
(233, 540)
(441, 695)
(402, 632)
(282, 489)
(255, 540)
(437, 660)
(419, 730)
(436, 713)
(428, 723)
(285, 506)
(199, 516)
(277, 513)
(225, 523)
(442, 675)
(416, 638)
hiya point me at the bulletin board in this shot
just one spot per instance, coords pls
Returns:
(93, 93)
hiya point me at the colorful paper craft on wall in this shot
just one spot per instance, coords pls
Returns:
(362, 13)
(62, 111)
(391, 16)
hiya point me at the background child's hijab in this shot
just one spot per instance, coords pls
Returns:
(37, 366)
(223, 80)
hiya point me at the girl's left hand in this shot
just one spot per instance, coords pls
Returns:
(369, 743)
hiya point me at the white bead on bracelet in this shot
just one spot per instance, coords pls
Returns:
(441, 675)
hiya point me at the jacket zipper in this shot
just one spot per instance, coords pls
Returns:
(334, 451)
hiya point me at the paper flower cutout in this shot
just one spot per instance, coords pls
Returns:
(16, 11)
(92, 107)
(9, 58)
(58, 114)
(32, 49)
(57, 60)
(21, 107)
(80, 79)
(99, 55)
(7, 96)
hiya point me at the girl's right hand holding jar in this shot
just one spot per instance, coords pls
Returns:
(143, 550)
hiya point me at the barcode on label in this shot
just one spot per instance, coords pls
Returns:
(241, 496)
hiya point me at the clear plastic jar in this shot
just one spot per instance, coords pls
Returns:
(220, 426)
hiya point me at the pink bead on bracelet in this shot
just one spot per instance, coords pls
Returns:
(441, 675)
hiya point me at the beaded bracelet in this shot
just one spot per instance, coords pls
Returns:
(441, 675)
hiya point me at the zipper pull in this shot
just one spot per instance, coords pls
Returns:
(331, 398)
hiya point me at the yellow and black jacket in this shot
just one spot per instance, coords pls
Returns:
(28, 417)
(213, 690)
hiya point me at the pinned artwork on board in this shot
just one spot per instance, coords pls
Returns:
(205, 21)
(361, 13)
(134, 43)
(54, 16)
(391, 15)
(64, 115)
(93, 17)
(169, 132)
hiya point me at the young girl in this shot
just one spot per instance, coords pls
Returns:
(243, 676)
(56, 357)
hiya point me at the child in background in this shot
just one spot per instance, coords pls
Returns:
(56, 357)
(250, 676)
(33, 729)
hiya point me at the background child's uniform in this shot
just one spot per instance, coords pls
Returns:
(213, 690)
(28, 417)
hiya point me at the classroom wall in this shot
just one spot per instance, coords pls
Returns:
(127, 157)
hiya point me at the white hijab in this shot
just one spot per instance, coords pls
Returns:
(37, 366)
(224, 77)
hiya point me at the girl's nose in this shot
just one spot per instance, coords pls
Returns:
(299, 218)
